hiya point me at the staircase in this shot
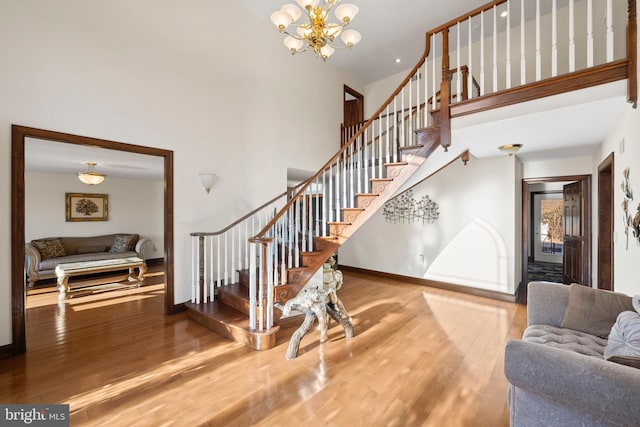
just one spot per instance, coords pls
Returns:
(243, 273)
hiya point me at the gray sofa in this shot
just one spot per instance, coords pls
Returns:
(43, 255)
(558, 375)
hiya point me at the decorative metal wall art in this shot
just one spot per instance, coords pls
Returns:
(406, 209)
(628, 220)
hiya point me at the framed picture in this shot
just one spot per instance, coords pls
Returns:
(87, 207)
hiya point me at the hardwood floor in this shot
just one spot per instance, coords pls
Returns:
(420, 356)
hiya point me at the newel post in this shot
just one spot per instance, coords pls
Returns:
(445, 93)
(258, 282)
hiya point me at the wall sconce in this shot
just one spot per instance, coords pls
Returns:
(206, 179)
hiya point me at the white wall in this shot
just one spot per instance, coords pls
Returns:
(558, 167)
(135, 206)
(186, 77)
(625, 270)
(472, 243)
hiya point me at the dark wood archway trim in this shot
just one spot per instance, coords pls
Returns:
(586, 182)
(18, 290)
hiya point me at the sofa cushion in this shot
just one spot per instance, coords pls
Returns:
(124, 242)
(624, 340)
(49, 248)
(91, 249)
(567, 339)
(594, 311)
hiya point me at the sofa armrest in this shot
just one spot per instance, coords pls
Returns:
(546, 303)
(591, 385)
(33, 258)
(143, 247)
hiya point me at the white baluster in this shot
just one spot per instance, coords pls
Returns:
(296, 236)
(240, 238)
(226, 261)
(344, 181)
(538, 52)
(219, 268)
(310, 220)
(317, 197)
(290, 234)
(380, 157)
(495, 48)
(470, 61)
(373, 150)
(204, 271)
(417, 126)
(330, 200)
(433, 72)
(425, 119)
(252, 286)
(325, 195)
(351, 196)
(508, 53)
(233, 258)
(303, 224)
(283, 248)
(572, 37)
(482, 53)
(194, 268)
(410, 122)
(388, 131)
(366, 161)
(609, 30)
(554, 38)
(270, 283)
(523, 58)
(402, 130)
(246, 243)
(589, 33)
(458, 65)
(211, 282)
(359, 165)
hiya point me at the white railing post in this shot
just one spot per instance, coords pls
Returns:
(508, 53)
(495, 48)
(538, 51)
(554, 38)
(482, 53)
(469, 60)
(609, 30)
(572, 37)
(590, 33)
(523, 58)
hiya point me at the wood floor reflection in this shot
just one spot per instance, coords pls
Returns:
(421, 356)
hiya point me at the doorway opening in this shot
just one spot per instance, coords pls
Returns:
(353, 114)
(19, 136)
(556, 227)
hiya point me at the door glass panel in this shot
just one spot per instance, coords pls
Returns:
(551, 229)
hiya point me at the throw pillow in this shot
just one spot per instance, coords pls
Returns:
(124, 242)
(49, 248)
(594, 311)
(623, 345)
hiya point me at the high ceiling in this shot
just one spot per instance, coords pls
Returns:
(390, 30)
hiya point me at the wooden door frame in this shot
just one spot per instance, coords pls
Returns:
(18, 283)
(605, 223)
(587, 232)
(358, 96)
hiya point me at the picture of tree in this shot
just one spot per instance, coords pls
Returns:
(551, 219)
(86, 207)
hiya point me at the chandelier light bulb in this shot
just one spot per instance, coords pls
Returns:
(281, 19)
(350, 37)
(293, 11)
(326, 51)
(346, 12)
(308, 4)
(293, 44)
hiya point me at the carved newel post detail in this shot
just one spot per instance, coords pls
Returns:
(320, 303)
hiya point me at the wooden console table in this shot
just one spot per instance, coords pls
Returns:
(64, 271)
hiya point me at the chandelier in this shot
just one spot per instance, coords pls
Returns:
(91, 176)
(317, 33)
(406, 209)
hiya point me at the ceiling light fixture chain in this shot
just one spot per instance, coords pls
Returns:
(318, 33)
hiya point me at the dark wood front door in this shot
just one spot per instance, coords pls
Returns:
(573, 233)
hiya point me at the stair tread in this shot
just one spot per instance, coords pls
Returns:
(339, 223)
(236, 289)
(381, 179)
(352, 209)
(368, 194)
(428, 128)
(221, 312)
(396, 164)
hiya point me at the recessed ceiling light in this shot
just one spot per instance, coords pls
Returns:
(504, 14)
(397, 60)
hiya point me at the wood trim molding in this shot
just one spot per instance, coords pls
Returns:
(582, 79)
(501, 296)
(18, 291)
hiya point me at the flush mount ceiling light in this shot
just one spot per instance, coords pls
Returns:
(317, 32)
(91, 176)
(510, 149)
